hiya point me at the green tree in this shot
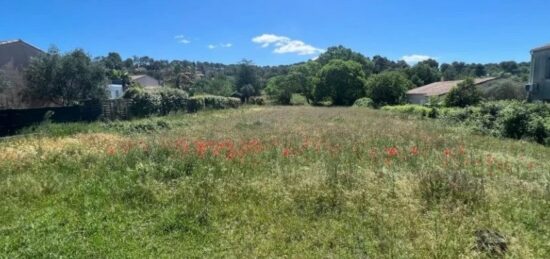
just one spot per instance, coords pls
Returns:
(424, 73)
(65, 79)
(342, 82)
(280, 89)
(464, 94)
(219, 85)
(388, 88)
(247, 83)
(304, 78)
(113, 61)
(346, 54)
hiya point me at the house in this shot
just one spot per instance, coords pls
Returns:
(148, 82)
(422, 95)
(539, 82)
(115, 91)
(15, 57)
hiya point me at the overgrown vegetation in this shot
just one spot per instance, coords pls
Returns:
(509, 119)
(272, 182)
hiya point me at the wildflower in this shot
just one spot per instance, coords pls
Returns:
(392, 151)
(447, 152)
(111, 150)
(414, 151)
(286, 152)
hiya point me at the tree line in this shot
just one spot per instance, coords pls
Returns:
(339, 76)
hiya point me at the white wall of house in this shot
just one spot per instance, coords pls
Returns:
(115, 91)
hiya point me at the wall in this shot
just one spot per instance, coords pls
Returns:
(417, 98)
(539, 75)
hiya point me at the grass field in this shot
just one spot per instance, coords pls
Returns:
(271, 182)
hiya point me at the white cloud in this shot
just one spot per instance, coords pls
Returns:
(415, 58)
(221, 45)
(285, 45)
(181, 39)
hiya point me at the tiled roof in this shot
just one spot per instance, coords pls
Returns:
(443, 87)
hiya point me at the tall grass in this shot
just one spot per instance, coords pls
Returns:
(271, 182)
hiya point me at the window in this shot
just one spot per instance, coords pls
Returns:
(547, 68)
(117, 94)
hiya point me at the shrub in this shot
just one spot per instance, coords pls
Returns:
(197, 103)
(364, 102)
(514, 121)
(143, 103)
(172, 99)
(388, 88)
(256, 100)
(505, 89)
(465, 94)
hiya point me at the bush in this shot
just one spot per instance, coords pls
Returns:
(256, 100)
(364, 102)
(388, 88)
(143, 103)
(197, 103)
(465, 94)
(172, 99)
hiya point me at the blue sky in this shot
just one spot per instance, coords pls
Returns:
(283, 31)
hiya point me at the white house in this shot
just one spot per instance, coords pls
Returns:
(115, 91)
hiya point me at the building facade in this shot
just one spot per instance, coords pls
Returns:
(539, 82)
(15, 57)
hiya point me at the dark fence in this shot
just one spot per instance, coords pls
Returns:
(14, 120)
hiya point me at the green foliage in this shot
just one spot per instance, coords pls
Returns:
(65, 78)
(387, 88)
(143, 103)
(219, 85)
(346, 54)
(198, 103)
(172, 100)
(424, 73)
(504, 89)
(512, 119)
(341, 81)
(364, 102)
(464, 94)
(247, 82)
(113, 61)
(256, 100)
(280, 89)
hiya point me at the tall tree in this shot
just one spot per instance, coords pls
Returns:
(346, 54)
(113, 61)
(65, 79)
(247, 83)
(342, 82)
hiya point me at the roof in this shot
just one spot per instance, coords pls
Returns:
(6, 42)
(137, 77)
(443, 87)
(545, 47)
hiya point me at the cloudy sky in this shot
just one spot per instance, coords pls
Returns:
(283, 31)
